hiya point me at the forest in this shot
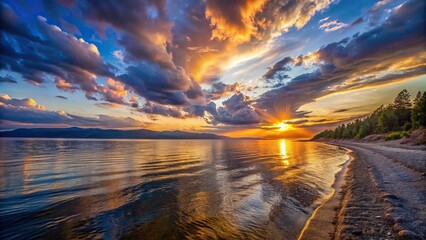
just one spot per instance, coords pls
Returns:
(396, 120)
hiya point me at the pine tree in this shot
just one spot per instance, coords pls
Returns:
(421, 110)
(416, 111)
(388, 121)
(402, 109)
(362, 132)
(399, 115)
(402, 100)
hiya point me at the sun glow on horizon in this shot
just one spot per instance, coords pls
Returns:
(283, 126)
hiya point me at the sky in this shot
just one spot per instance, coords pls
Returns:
(254, 68)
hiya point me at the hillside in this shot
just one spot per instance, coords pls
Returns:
(75, 132)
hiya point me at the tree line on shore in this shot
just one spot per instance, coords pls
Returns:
(397, 120)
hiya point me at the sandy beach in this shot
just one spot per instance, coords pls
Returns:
(383, 195)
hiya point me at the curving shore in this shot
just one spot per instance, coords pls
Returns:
(383, 196)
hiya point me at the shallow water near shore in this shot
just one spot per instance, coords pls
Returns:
(162, 189)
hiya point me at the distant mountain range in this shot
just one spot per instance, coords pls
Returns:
(75, 132)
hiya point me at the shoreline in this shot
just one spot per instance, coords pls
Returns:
(382, 196)
(321, 223)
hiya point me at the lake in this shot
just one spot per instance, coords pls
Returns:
(162, 189)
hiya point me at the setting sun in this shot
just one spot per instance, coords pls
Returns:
(283, 126)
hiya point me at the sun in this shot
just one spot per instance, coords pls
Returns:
(283, 126)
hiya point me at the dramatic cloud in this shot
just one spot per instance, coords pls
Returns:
(244, 21)
(9, 22)
(182, 58)
(233, 20)
(25, 103)
(146, 33)
(167, 52)
(7, 79)
(391, 52)
(281, 15)
(277, 70)
(114, 92)
(158, 109)
(165, 86)
(73, 62)
(375, 13)
(21, 111)
(220, 89)
(237, 110)
(64, 85)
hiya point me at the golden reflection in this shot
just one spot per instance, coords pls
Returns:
(283, 152)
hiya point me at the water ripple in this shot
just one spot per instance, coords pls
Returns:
(161, 189)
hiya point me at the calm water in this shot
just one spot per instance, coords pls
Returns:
(162, 189)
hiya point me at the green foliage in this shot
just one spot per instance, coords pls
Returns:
(393, 136)
(362, 132)
(407, 126)
(422, 110)
(401, 106)
(388, 121)
(406, 134)
(418, 112)
(400, 115)
(402, 100)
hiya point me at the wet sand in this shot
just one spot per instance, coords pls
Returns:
(321, 223)
(384, 196)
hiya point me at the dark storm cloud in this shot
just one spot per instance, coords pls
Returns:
(146, 33)
(73, 62)
(27, 110)
(7, 79)
(158, 109)
(9, 22)
(75, 52)
(369, 56)
(237, 110)
(279, 67)
(220, 89)
(165, 86)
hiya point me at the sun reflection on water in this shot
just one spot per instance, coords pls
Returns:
(283, 152)
(215, 189)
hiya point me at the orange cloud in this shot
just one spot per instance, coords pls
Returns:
(64, 85)
(233, 20)
(114, 92)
